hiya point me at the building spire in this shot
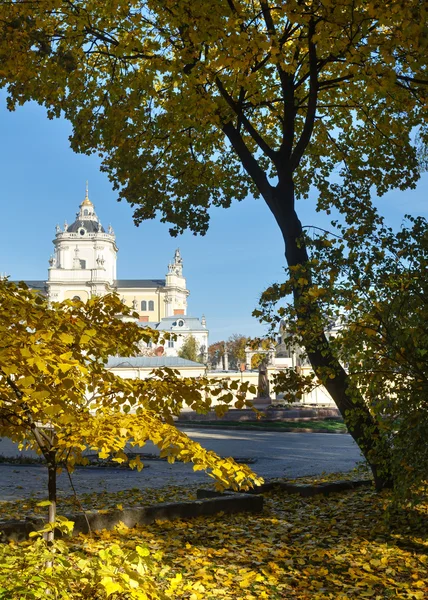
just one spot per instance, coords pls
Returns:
(86, 201)
(177, 266)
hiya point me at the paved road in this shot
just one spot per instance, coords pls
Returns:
(278, 455)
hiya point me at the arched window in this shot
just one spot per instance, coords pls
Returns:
(151, 305)
(77, 298)
(143, 305)
(85, 212)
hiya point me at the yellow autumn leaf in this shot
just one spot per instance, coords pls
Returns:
(110, 586)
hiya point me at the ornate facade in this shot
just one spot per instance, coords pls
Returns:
(83, 265)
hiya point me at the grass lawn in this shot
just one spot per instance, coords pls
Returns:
(336, 547)
(327, 424)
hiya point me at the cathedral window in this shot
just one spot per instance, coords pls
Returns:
(85, 212)
(151, 305)
(143, 305)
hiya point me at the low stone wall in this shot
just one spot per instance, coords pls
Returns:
(209, 503)
(228, 503)
(305, 490)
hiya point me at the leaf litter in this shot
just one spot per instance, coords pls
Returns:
(347, 545)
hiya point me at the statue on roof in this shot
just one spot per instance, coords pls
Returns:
(177, 266)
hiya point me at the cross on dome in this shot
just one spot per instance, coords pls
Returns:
(86, 201)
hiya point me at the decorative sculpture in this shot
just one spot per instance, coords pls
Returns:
(263, 382)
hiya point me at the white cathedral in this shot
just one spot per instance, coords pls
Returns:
(84, 265)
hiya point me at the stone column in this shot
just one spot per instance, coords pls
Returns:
(226, 359)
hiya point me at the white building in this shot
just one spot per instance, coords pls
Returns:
(84, 265)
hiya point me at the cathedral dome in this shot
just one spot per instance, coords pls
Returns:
(86, 219)
(85, 226)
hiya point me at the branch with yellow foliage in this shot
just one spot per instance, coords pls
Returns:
(58, 397)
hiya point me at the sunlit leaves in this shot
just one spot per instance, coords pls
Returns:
(57, 396)
(152, 86)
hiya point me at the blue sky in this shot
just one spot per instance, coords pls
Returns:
(43, 183)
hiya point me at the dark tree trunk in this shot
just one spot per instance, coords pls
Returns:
(51, 458)
(352, 407)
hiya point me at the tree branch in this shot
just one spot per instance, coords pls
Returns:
(249, 163)
(312, 103)
(267, 17)
(38, 434)
(264, 146)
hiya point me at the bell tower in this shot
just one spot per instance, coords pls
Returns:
(84, 260)
(176, 292)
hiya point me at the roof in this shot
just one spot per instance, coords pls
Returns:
(150, 362)
(139, 283)
(90, 225)
(33, 284)
(171, 324)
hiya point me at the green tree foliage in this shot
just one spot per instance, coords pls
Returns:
(58, 397)
(196, 104)
(373, 294)
(190, 349)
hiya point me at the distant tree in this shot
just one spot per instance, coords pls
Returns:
(235, 344)
(215, 352)
(190, 349)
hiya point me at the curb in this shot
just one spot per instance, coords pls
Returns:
(227, 502)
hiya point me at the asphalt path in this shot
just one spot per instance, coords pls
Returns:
(276, 454)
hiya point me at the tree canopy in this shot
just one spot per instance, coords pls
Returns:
(197, 104)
